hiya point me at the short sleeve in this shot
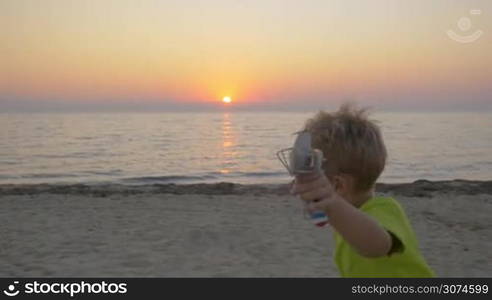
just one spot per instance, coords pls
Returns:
(389, 214)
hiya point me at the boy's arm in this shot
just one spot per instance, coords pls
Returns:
(360, 230)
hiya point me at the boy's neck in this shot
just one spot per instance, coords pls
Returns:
(358, 199)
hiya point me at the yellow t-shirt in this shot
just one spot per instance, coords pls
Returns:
(408, 262)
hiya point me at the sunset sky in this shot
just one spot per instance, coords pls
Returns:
(267, 54)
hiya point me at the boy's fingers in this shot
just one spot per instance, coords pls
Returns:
(300, 188)
(312, 207)
(317, 194)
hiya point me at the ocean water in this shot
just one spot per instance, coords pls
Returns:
(143, 148)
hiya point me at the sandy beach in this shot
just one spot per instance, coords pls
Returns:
(219, 230)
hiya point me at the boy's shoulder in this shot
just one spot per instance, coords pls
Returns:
(382, 203)
(390, 215)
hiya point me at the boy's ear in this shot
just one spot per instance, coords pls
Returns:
(341, 184)
(338, 183)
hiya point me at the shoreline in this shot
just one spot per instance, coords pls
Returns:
(418, 188)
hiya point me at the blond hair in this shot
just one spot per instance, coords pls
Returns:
(351, 143)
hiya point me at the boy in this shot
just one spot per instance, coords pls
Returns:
(373, 235)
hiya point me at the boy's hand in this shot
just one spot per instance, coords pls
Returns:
(317, 194)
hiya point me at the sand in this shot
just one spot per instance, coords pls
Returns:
(219, 230)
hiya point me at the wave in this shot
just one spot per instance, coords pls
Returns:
(118, 176)
(170, 178)
(256, 174)
(48, 175)
(104, 173)
(207, 177)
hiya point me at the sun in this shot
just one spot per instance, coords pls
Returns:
(227, 99)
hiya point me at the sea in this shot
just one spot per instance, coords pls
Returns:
(209, 147)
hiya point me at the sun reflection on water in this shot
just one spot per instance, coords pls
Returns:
(229, 142)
